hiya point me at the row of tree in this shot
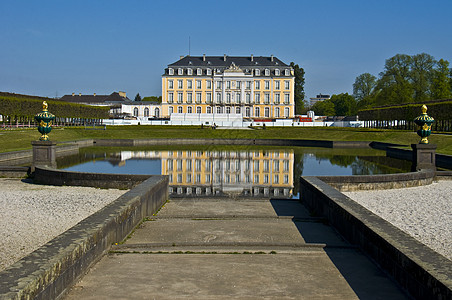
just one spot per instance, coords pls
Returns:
(405, 79)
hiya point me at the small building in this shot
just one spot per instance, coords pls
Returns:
(142, 110)
(319, 97)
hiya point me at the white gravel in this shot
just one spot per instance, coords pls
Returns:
(424, 212)
(31, 215)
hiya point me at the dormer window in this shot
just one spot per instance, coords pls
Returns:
(267, 72)
(257, 72)
(189, 71)
(180, 71)
(171, 71)
(209, 71)
(198, 71)
(286, 72)
(277, 72)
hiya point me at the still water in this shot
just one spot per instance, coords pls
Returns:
(233, 170)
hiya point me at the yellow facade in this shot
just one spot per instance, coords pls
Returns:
(259, 92)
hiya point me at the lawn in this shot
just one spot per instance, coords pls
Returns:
(19, 139)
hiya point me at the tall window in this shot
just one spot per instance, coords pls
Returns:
(208, 110)
(218, 97)
(286, 98)
(257, 98)
(180, 84)
(189, 84)
(277, 72)
(237, 98)
(157, 112)
(171, 71)
(228, 84)
(179, 109)
(286, 112)
(179, 97)
(277, 112)
(248, 85)
(286, 72)
(208, 97)
(247, 98)
(189, 110)
(287, 84)
(189, 97)
(267, 72)
(135, 112)
(277, 98)
(198, 109)
(267, 84)
(170, 97)
(257, 85)
(257, 72)
(209, 71)
(198, 84)
(267, 112)
(228, 110)
(170, 84)
(219, 110)
(218, 84)
(248, 112)
(198, 97)
(277, 85)
(189, 71)
(208, 84)
(267, 98)
(239, 84)
(198, 71)
(171, 110)
(237, 110)
(228, 98)
(146, 112)
(257, 112)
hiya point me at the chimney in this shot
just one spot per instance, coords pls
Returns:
(203, 57)
(252, 57)
(271, 57)
(224, 57)
(73, 94)
(181, 56)
(94, 94)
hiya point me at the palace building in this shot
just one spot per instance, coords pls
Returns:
(253, 87)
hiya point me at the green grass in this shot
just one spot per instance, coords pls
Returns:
(19, 139)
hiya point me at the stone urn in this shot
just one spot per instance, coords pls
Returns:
(44, 119)
(425, 125)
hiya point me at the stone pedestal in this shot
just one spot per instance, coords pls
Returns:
(44, 153)
(423, 157)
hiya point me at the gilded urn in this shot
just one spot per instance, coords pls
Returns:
(425, 125)
(44, 119)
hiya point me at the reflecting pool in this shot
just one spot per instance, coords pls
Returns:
(241, 170)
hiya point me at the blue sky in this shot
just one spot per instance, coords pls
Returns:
(50, 48)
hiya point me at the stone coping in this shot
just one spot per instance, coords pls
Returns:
(47, 272)
(421, 271)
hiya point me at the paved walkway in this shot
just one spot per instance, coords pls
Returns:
(221, 248)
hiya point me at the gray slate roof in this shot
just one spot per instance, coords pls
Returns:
(218, 61)
(91, 99)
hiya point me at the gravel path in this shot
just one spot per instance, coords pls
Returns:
(31, 215)
(423, 212)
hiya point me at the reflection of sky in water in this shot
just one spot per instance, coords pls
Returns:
(131, 166)
(314, 167)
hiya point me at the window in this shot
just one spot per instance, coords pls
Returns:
(218, 84)
(218, 97)
(146, 112)
(228, 110)
(198, 84)
(209, 71)
(198, 165)
(257, 72)
(171, 110)
(286, 179)
(189, 71)
(170, 164)
(257, 98)
(208, 178)
(189, 110)
(257, 85)
(189, 97)
(188, 164)
(267, 72)
(247, 178)
(198, 97)
(179, 109)
(198, 71)
(179, 97)
(180, 84)
(267, 84)
(208, 97)
(276, 165)
(170, 97)
(287, 84)
(257, 112)
(209, 110)
(179, 164)
(171, 71)
(248, 85)
(267, 98)
(247, 112)
(237, 98)
(277, 72)
(198, 178)
(286, 112)
(276, 179)
(239, 84)
(267, 112)
(277, 85)
(277, 112)
(180, 71)
(256, 178)
(228, 98)
(266, 178)
(198, 109)
(266, 166)
(179, 178)
(286, 72)
(208, 166)
(157, 112)
(209, 84)
(189, 84)
(237, 110)
(228, 84)
(277, 98)
(135, 112)
(247, 98)
(219, 110)
(188, 178)
(286, 98)
(170, 84)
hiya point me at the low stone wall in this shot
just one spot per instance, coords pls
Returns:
(419, 270)
(50, 176)
(50, 270)
(14, 172)
(379, 182)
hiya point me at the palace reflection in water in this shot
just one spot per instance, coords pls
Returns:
(252, 173)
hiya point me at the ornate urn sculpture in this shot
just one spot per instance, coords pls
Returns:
(44, 120)
(425, 125)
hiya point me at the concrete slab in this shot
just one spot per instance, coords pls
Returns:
(217, 276)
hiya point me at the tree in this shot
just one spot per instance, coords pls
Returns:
(324, 108)
(344, 104)
(441, 83)
(363, 89)
(153, 99)
(299, 88)
(138, 97)
(421, 75)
